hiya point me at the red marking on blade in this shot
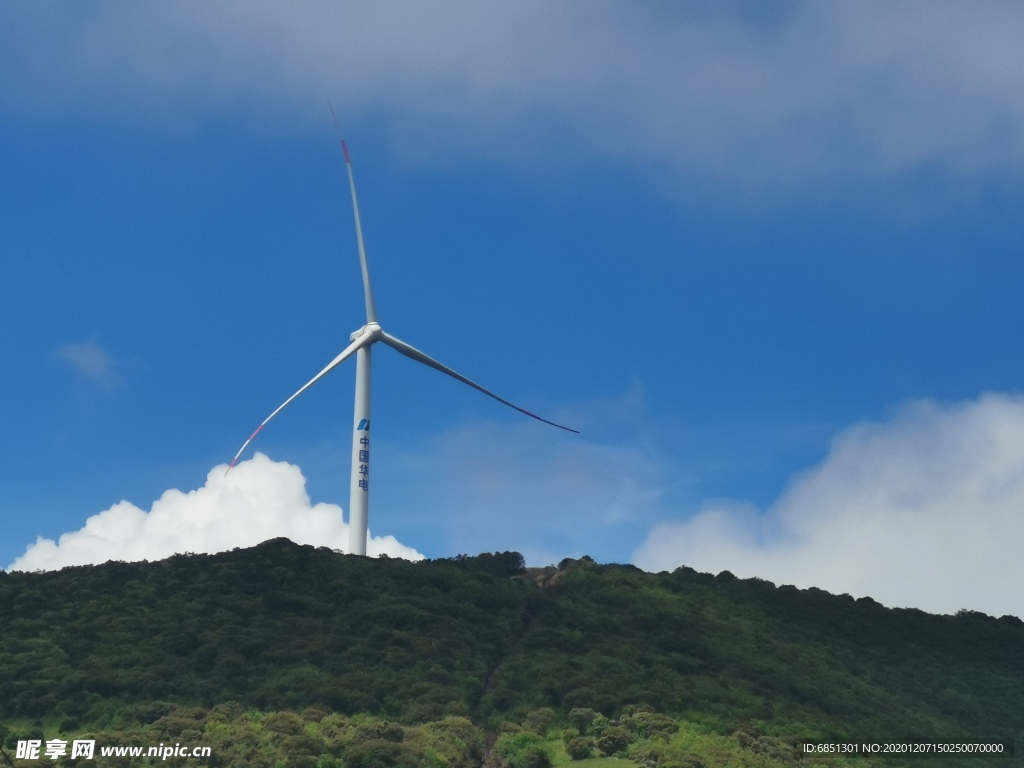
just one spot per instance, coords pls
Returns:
(345, 150)
(235, 460)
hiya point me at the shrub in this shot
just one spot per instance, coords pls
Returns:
(283, 723)
(614, 739)
(540, 719)
(579, 747)
(648, 724)
(582, 717)
(381, 754)
(523, 750)
(381, 730)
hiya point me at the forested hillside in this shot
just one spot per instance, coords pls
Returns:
(291, 653)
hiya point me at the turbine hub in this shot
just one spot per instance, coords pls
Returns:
(372, 328)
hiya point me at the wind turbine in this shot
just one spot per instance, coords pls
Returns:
(361, 342)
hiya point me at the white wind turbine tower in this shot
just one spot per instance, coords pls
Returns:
(362, 340)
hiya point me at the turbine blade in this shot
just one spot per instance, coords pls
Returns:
(361, 341)
(420, 357)
(371, 310)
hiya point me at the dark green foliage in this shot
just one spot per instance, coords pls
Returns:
(380, 730)
(743, 650)
(381, 753)
(497, 564)
(334, 660)
(274, 626)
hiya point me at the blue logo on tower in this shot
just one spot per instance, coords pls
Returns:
(364, 455)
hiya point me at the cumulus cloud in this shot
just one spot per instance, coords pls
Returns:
(90, 361)
(769, 93)
(260, 499)
(925, 510)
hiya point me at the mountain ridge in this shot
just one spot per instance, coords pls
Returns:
(287, 627)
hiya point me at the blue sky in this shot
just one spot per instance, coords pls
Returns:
(769, 263)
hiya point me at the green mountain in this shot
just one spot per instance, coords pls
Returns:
(290, 655)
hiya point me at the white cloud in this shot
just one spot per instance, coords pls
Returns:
(260, 499)
(92, 362)
(926, 511)
(766, 93)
